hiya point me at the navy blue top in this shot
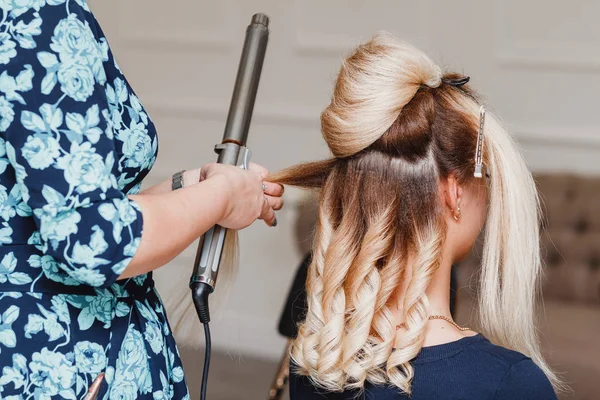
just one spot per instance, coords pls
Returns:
(470, 368)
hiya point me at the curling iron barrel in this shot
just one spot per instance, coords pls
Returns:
(233, 147)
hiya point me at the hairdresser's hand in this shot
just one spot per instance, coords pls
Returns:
(273, 193)
(244, 198)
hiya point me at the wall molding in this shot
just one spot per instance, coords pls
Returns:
(566, 137)
(587, 137)
(540, 54)
(202, 108)
(339, 45)
(171, 42)
(532, 55)
(222, 40)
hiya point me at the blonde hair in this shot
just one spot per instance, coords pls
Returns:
(181, 311)
(396, 129)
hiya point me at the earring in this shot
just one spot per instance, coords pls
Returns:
(456, 217)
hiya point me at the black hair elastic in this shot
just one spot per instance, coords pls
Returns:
(458, 82)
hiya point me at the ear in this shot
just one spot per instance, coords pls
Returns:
(452, 195)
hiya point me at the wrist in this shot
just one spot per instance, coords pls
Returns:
(220, 190)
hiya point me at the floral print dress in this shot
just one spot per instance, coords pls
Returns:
(74, 141)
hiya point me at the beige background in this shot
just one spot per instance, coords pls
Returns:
(537, 62)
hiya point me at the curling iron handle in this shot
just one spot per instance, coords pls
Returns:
(210, 247)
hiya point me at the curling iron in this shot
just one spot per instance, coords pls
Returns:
(232, 150)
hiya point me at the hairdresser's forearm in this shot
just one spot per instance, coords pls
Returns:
(173, 220)
(190, 178)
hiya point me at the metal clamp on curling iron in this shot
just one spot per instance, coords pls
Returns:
(231, 150)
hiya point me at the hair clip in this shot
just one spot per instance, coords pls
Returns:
(458, 82)
(479, 149)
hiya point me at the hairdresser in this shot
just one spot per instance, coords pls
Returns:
(78, 239)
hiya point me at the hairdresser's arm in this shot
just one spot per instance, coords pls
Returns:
(228, 196)
(190, 177)
(173, 220)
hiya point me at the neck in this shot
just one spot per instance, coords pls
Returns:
(438, 294)
(438, 291)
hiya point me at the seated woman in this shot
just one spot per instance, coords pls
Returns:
(417, 170)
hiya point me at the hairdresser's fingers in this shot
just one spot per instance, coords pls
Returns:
(273, 189)
(267, 214)
(276, 203)
(205, 170)
(259, 169)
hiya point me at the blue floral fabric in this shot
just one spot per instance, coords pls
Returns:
(74, 142)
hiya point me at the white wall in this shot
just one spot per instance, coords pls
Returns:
(537, 62)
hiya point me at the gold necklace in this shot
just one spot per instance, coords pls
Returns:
(442, 317)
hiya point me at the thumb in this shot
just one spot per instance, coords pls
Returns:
(205, 171)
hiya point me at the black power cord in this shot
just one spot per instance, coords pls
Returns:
(206, 362)
(200, 292)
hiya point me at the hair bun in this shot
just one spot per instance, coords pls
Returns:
(372, 87)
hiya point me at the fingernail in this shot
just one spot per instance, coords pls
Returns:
(274, 223)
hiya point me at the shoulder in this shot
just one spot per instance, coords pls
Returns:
(525, 380)
(519, 376)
